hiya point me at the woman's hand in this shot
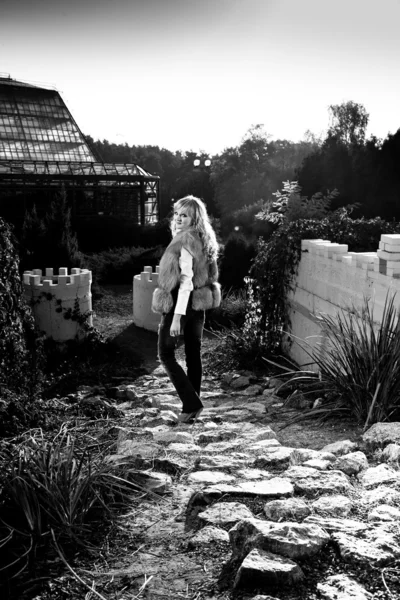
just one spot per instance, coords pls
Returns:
(175, 329)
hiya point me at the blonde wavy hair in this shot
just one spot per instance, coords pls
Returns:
(200, 222)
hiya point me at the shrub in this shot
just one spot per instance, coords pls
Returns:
(50, 242)
(236, 261)
(243, 221)
(19, 341)
(99, 233)
(119, 265)
(230, 313)
(55, 494)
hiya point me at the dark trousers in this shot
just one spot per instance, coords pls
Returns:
(187, 385)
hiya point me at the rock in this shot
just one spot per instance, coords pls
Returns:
(301, 472)
(209, 477)
(391, 454)
(276, 487)
(171, 406)
(210, 437)
(120, 391)
(140, 451)
(297, 400)
(253, 390)
(165, 417)
(220, 447)
(261, 568)
(331, 482)
(375, 476)
(342, 587)
(293, 540)
(365, 552)
(151, 481)
(331, 524)
(262, 597)
(257, 409)
(266, 433)
(340, 448)
(227, 378)
(301, 455)
(384, 512)
(382, 434)
(268, 392)
(237, 415)
(352, 463)
(274, 382)
(170, 465)
(240, 382)
(212, 463)
(184, 449)
(169, 437)
(381, 495)
(254, 474)
(266, 444)
(225, 513)
(276, 457)
(130, 393)
(208, 535)
(334, 505)
(290, 509)
(317, 463)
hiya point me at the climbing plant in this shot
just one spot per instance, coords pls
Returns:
(276, 262)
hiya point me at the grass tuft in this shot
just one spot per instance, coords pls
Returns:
(359, 372)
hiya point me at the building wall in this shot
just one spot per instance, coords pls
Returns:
(331, 280)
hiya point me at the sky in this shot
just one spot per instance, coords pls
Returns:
(196, 75)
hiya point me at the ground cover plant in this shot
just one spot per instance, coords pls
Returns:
(58, 491)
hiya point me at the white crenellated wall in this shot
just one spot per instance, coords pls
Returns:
(144, 285)
(330, 279)
(53, 296)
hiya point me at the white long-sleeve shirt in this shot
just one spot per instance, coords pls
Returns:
(186, 281)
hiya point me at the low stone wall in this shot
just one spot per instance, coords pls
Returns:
(60, 302)
(144, 285)
(330, 280)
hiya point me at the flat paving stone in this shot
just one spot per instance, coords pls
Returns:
(209, 477)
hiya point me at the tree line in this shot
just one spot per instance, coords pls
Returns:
(243, 179)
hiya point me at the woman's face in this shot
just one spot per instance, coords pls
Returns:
(182, 219)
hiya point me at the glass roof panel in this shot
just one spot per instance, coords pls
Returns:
(36, 125)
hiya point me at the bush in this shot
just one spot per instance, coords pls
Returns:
(119, 265)
(50, 242)
(236, 261)
(290, 205)
(56, 494)
(99, 233)
(244, 222)
(19, 351)
(230, 313)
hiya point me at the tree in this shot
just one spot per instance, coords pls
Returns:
(50, 242)
(349, 122)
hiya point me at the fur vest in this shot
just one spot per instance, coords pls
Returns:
(206, 293)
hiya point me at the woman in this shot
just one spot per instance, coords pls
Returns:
(187, 286)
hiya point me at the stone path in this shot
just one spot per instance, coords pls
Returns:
(227, 501)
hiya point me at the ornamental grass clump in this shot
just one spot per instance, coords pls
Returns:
(359, 371)
(55, 493)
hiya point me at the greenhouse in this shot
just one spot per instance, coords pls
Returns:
(42, 150)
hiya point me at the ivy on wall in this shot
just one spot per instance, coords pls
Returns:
(276, 262)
